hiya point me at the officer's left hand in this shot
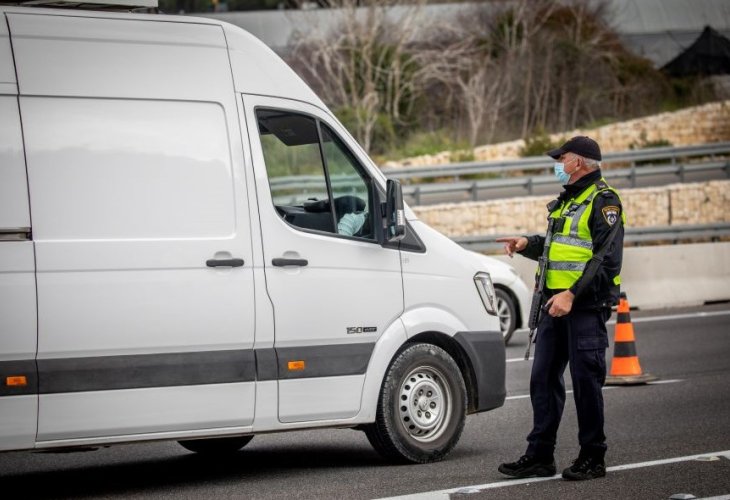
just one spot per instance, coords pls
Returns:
(560, 304)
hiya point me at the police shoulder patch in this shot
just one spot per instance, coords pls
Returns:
(610, 213)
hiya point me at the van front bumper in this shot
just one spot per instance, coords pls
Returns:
(486, 354)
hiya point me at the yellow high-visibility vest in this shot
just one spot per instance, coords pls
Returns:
(572, 247)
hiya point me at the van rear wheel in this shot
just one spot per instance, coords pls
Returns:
(216, 446)
(422, 407)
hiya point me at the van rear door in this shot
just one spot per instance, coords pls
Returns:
(18, 332)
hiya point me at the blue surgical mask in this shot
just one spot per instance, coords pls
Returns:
(559, 170)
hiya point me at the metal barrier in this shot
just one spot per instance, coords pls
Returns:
(633, 235)
(678, 159)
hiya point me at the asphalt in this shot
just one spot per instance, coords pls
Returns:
(686, 413)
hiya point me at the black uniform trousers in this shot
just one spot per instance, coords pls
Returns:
(579, 339)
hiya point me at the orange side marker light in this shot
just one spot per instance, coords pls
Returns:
(295, 366)
(16, 381)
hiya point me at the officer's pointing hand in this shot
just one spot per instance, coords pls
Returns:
(560, 304)
(513, 244)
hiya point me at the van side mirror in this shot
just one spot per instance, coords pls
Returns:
(395, 216)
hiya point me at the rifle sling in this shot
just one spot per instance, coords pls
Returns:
(595, 263)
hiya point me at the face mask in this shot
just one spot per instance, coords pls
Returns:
(559, 170)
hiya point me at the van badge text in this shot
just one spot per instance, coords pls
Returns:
(351, 330)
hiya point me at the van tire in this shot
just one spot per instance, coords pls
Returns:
(216, 446)
(421, 408)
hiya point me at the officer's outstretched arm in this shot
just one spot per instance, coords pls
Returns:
(534, 247)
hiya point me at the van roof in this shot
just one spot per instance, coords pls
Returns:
(256, 68)
(124, 5)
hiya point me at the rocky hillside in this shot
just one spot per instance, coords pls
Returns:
(689, 126)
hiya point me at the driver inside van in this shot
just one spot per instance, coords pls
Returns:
(351, 223)
(352, 213)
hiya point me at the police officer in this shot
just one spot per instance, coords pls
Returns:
(580, 295)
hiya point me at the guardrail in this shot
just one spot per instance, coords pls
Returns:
(678, 158)
(673, 234)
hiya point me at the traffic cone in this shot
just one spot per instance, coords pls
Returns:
(625, 367)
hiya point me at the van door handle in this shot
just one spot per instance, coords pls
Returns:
(281, 262)
(224, 262)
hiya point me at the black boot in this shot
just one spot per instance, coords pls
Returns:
(585, 468)
(529, 466)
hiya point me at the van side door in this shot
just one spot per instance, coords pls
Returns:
(141, 227)
(334, 288)
(18, 330)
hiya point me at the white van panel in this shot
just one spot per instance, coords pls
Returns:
(7, 69)
(444, 297)
(66, 416)
(18, 417)
(18, 319)
(18, 339)
(13, 186)
(131, 177)
(130, 200)
(148, 193)
(95, 57)
(107, 313)
(259, 70)
(320, 398)
(17, 301)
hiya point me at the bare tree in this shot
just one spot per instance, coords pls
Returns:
(507, 68)
(364, 65)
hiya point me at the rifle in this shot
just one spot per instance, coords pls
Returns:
(538, 297)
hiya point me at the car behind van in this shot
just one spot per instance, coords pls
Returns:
(193, 248)
(512, 296)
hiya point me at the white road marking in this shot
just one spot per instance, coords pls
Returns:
(521, 396)
(569, 391)
(668, 381)
(605, 388)
(647, 319)
(444, 494)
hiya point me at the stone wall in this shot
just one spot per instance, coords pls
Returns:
(675, 204)
(689, 126)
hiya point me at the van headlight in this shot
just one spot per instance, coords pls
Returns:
(486, 291)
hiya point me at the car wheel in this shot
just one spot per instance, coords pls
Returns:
(421, 408)
(507, 313)
(216, 446)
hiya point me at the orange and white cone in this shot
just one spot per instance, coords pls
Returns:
(625, 367)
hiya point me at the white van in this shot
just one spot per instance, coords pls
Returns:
(193, 248)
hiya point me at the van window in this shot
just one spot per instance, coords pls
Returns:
(308, 165)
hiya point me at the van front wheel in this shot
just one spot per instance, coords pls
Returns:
(422, 406)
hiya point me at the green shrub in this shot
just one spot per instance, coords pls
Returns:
(643, 143)
(462, 155)
(538, 144)
(429, 143)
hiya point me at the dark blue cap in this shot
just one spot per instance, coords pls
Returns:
(580, 145)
